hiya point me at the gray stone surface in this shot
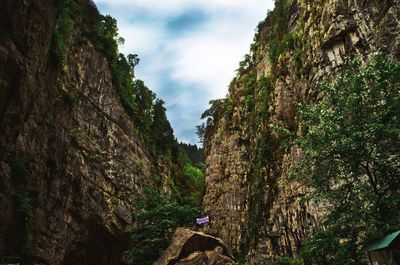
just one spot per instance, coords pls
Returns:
(331, 30)
(195, 248)
(84, 158)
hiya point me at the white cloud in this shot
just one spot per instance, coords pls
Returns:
(199, 63)
(139, 37)
(173, 6)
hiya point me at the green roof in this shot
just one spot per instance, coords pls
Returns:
(381, 243)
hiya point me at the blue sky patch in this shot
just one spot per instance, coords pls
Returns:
(189, 20)
(188, 49)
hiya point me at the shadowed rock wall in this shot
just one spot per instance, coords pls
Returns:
(70, 157)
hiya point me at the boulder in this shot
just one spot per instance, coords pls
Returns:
(195, 248)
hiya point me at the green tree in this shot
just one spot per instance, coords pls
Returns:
(194, 153)
(195, 180)
(144, 98)
(163, 135)
(67, 11)
(133, 61)
(211, 115)
(125, 85)
(351, 159)
(107, 31)
(156, 217)
(195, 175)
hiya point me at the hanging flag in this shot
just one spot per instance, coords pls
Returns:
(202, 220)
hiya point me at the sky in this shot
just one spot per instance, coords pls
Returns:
(188, 49)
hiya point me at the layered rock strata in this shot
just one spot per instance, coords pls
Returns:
(253, 208)
(70, 157)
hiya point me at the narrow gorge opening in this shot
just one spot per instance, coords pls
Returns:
(293, 162)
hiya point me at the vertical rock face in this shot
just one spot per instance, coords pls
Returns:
(253, 207)
(70, 157)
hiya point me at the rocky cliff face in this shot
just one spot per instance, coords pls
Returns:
(70, 157)
(254, 209)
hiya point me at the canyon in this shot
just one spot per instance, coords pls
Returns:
(72, 157)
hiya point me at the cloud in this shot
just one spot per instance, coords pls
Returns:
(176, 6)
(189, 49)
(186, 22)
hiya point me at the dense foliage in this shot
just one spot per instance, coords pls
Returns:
(351, 159)
(65, 23)
(189, 181)
(147, 112)
(195, 154)
(156, 216)
(211, 116)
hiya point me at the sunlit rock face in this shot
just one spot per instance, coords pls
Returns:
(252, 206)
(64, 126)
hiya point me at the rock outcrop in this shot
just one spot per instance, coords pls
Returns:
(253, 208)
(70, 157)
(195, 248)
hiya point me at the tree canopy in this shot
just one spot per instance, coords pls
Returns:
(351, 159)
(156, 217)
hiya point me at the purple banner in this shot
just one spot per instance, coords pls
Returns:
(203, 220)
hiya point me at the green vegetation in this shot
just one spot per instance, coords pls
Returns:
(259, 146)
(162, 134)
(147, 112)
(244, 65)
(262, 145)
(278, 18)
(195, 154)
(211, 115)
(350, 140)
(141, 104)
(351, 145)
(290, 42)
(156, 217)
(64, 27)
(286, 261)
(262, 156)
(275, 32)
(196, 182)
(195, 175)
(125, 85)
(188, 176)
(229, 107)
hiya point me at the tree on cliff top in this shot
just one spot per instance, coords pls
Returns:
(351, 147)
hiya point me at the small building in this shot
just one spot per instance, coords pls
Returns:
(385, 250)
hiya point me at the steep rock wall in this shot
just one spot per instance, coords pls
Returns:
(70, 157)
(253, 207)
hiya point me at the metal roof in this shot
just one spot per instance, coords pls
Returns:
(381, 243)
